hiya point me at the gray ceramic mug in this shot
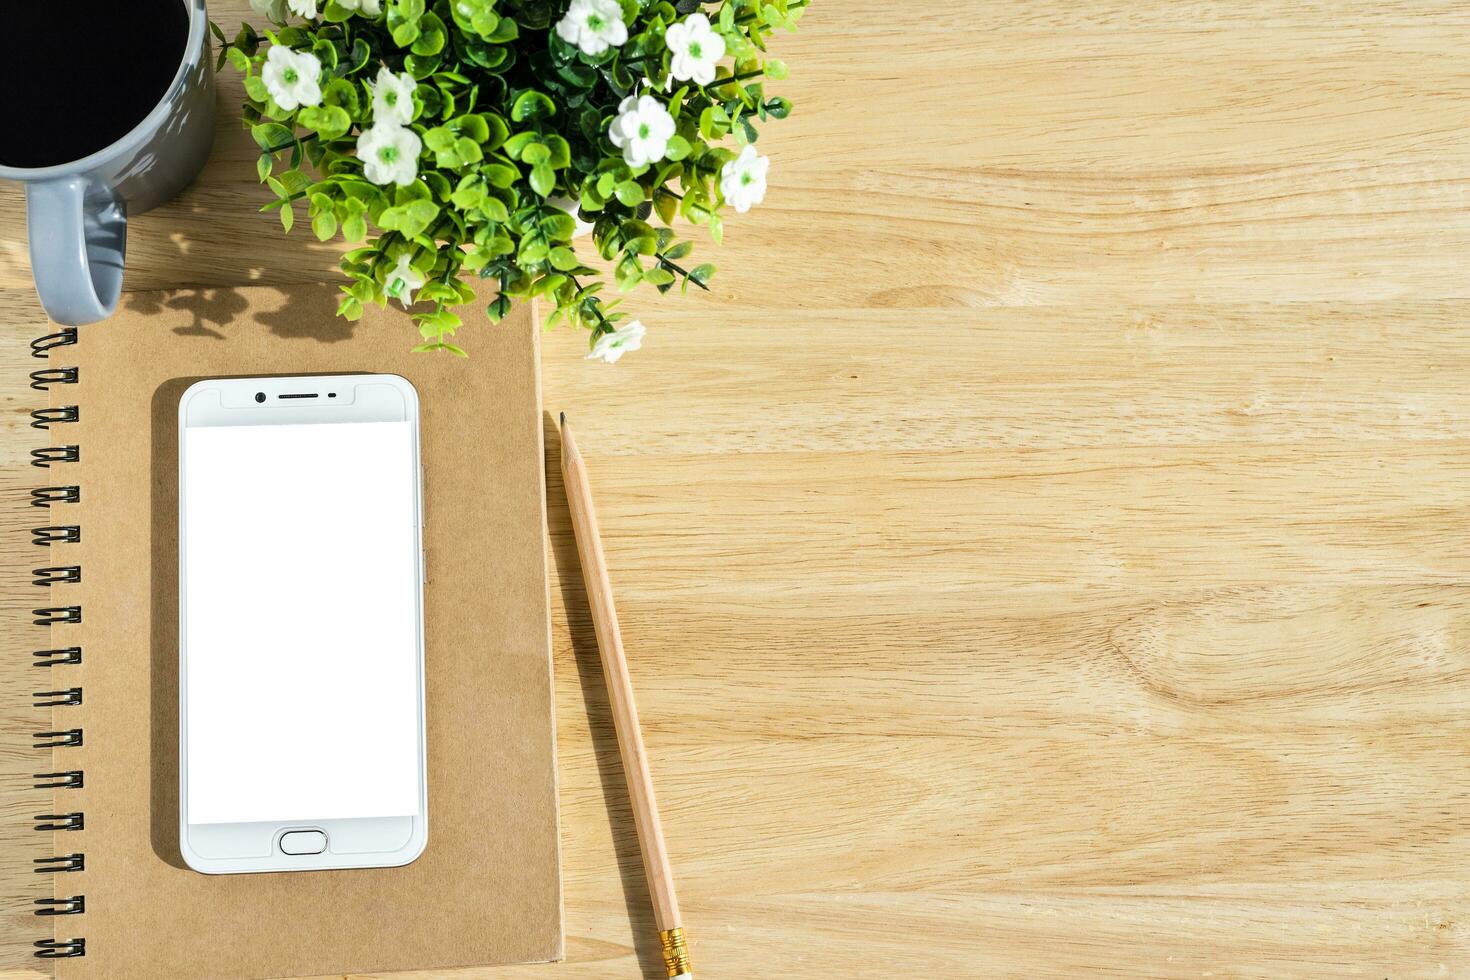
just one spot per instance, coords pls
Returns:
(77, 212)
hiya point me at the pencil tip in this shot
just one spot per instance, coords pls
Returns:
(563, 418)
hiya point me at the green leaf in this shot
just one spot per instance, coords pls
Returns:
(563, 258)
(411, 218)
(431, 36)
(532, 105)
(438, 345)
(324, 225)
(356, 59)
(500, 175)
(263, 166)
(536, 153)
(630, 193)
(469, 194)
(658, 277)
(403, 20)
(287, 218)
(255, 88)
(496, 132)
(422, 66)
(494, 209)
(437, 292)
(474, 126)
(437, 183)
(558, 225)
(532, 250)
(293, 183)
(543, 180)
(331, 121)
(505, 31)
(354, 226)
(476, 17)
(350, 308)
(468, 151)
(437, 322)
(272, 136)
(640, 235)
(235, 55)
(518, 143)
(700, 275)
(339, 91)
(678, 148)
(326, 53)
(498, 309)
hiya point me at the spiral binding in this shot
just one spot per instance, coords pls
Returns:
(45, 577)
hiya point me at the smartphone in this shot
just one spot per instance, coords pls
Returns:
(301, 651)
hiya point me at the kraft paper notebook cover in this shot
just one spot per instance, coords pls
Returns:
(488, 887)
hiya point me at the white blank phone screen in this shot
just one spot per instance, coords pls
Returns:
(301, 622)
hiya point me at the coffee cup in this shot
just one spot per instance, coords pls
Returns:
(118, 101)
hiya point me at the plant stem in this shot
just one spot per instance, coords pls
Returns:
(286, 146)
(737, 78)
(679, 270)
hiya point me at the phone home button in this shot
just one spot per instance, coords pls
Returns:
(303, 842)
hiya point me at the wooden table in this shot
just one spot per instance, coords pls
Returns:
(1044, 554)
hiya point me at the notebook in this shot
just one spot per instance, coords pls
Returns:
(118, 900)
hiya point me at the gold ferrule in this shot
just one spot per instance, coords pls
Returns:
(676, 952)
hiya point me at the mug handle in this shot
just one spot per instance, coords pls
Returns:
(79, 232)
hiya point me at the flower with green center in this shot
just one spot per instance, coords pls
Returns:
(641, 130)
(614, 344)
(402, 280)
(593, 26)
(695, 48)
(392, 97)
(303, 8)
(389, 154)
(291, 77)
(743, 179)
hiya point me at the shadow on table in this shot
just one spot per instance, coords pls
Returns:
(308, 313)
(599, 713)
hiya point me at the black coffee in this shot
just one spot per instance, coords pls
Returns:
(75, 75)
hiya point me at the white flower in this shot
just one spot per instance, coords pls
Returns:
(696, 48)
(403, 280)
(274, 9)
(291, 77)
(392, 97)
(370, 7)
(611, 346)
(389, 154)
(593, 25)
(641, 130)
(743, 179)
(303, 8)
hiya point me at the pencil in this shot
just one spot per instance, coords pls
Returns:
(625, 713)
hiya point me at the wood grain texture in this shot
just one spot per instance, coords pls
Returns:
(1043, 554)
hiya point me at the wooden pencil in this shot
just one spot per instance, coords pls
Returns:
(624, 710)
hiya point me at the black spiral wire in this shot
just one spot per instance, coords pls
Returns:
(45, 577)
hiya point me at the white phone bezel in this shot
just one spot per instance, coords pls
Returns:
(368, 842)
